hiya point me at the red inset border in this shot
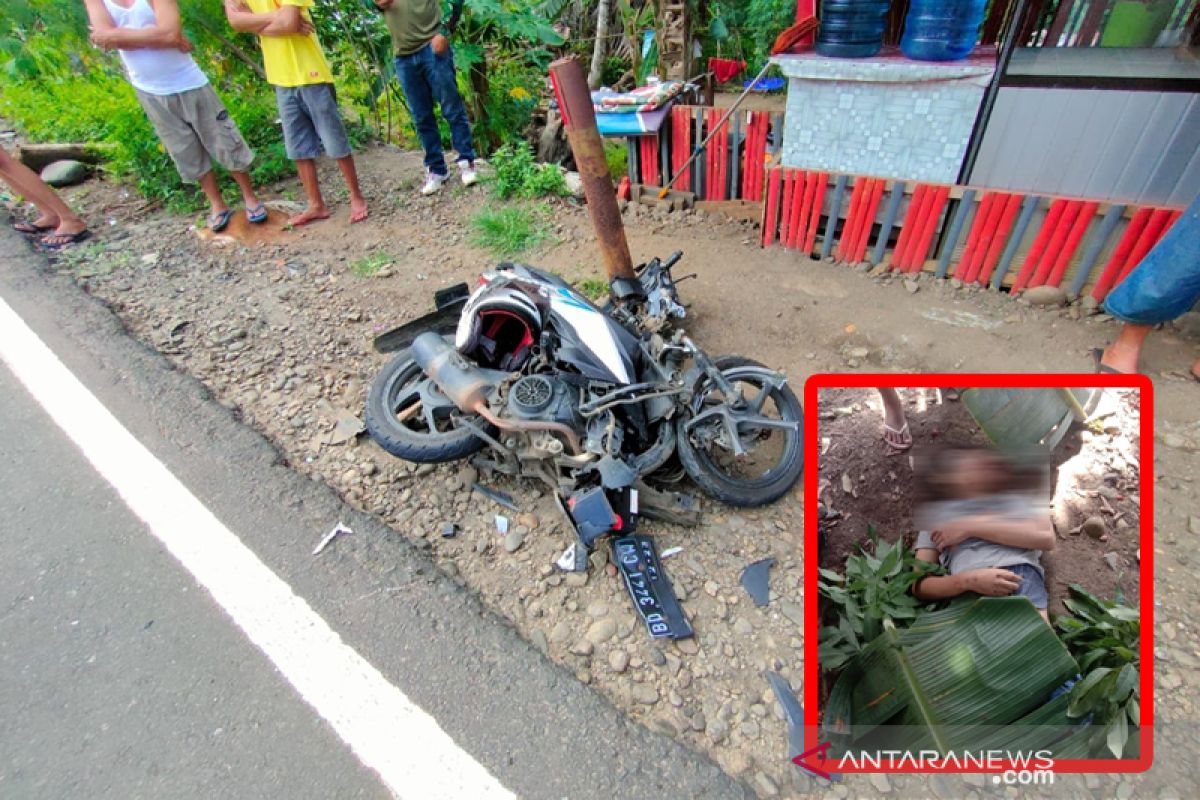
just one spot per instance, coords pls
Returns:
(1146, 532)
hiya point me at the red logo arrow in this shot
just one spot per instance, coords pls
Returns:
(819, 753)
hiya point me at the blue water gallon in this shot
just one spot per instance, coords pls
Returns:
(851, 28)
(941, 30)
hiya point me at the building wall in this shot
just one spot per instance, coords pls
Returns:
(1138, 147)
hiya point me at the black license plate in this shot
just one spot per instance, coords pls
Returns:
(648, 585)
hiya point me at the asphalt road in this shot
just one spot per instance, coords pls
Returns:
(120, 677)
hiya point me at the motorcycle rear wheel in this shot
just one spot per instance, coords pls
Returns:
(411, 419)
(720, 479)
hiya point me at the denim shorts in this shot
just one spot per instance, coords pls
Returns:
(312, 121)
(1033, 585)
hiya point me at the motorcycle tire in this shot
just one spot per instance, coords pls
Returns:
(397, 438)
(716, 483)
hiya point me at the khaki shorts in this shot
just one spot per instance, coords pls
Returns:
(196, 130)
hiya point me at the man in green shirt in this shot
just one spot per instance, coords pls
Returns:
(425, 66)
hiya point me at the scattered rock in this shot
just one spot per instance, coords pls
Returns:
(618, 660)
(601, 630)
(912, 286)
(583, 648)
(65, 173)
(645, 694)
(514, 539)
(765, 786)
(1094, 527)
(880, 782)
(742, 626)
(1113, 560)
(1046, 296)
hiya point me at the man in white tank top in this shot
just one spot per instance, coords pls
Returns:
(191, 121)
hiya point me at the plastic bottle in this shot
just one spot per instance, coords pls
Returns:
(941, 30)
(851, 28)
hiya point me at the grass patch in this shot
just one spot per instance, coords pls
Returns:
(596, 289)
(510, 229)
(369, 266)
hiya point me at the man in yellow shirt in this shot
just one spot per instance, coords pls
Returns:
(296, 67)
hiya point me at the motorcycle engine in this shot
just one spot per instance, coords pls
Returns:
(544, 398)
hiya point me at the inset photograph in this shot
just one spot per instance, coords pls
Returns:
(979, 576)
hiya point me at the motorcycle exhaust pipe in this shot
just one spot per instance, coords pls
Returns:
(468, 388)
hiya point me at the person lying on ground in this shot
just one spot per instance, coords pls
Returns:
(425, 65)
(980, 523)
(312, 122)
(191, 121)
(1165, 285)
(57, 224)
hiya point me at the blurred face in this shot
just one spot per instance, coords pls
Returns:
(975, 472)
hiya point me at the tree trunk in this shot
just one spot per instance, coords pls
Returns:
(480, 92)
(238, 53)
(601, 46)
(38, 156)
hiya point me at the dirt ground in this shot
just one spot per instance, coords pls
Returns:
(280, 330)
(1094, 475)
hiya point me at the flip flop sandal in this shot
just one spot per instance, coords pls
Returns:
(903, 429)
(257, 215)
(220, 222)
(67, 239)
(1097, 354)
(30, 229)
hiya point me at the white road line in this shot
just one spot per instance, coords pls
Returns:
(412, 754)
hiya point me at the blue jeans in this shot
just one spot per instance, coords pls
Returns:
(426, 77)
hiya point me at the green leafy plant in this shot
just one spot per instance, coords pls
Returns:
(510, 229)
(369, 266)
(518, 175)
(594, 288)
(875, 587)
(1104, 637)
(617, 158)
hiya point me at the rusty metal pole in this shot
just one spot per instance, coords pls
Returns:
(579, 118)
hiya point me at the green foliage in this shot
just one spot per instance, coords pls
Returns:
(755, 24)
(369, 266)
(616, 155)
(518, 175)
(101, 107)
(1104, 637)
(875, 587)
(596, 289)
(510, 229)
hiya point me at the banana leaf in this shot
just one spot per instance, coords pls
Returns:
(1027, 418)
(981, 670)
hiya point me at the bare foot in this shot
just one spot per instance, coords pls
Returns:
(309, 215)
(358, 210)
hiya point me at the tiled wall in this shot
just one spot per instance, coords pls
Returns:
(884, 116)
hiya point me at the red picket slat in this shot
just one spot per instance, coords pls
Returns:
(815, 217)
(1011, 206)
(1087, 210)
(772, 208)
(941, 195)
(1034, 257)
(1116, 262)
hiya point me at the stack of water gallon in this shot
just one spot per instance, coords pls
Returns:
(934, 30)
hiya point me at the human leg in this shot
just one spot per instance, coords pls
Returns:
(895, 426)
(1126, 350)
(303, 145)
(415, 76)
(445, 88)
(220, 136)
(54, 212)
(321, 102)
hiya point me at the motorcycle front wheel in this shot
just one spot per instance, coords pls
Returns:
(769, 422)
(411, 419)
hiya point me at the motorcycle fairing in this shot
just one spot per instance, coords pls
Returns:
(600, 348)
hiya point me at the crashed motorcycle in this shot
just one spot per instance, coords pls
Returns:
(527, 377)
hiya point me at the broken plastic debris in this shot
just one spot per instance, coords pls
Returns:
(337, 531)
(449, 530)
(502, 524)
(754, 581)
(496, 496)
(670, 551)
(573, 559)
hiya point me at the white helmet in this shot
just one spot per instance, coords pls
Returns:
(499, 326)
